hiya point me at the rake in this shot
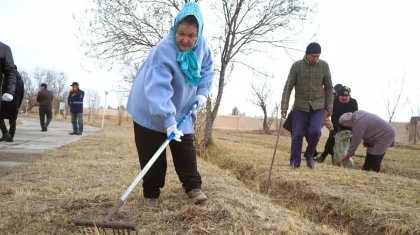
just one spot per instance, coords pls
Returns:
(98, 226)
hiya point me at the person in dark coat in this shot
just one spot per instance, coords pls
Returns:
(10, 110)
(343, 103)
(75, 101)
(44, 98)
(7, 68)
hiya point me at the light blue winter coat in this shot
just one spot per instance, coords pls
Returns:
(160, 95)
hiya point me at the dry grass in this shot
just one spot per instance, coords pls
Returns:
(18, 122)
(84, 179)
(349, 200)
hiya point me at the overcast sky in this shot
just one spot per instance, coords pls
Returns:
(366, 43)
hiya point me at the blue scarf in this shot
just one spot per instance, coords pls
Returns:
(188, 64)
(187, 60)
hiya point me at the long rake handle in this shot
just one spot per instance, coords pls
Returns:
(143, 172)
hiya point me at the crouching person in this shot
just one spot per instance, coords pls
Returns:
(377, 135)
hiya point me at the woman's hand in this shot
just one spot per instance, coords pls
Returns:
(346, 158)
(202, 100)
(175, 130)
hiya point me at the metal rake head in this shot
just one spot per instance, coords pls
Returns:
(96, 227)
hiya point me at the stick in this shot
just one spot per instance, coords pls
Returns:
(274, 154)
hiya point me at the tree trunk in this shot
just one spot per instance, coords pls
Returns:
(265, 122)
(211, 115)
(208, 129)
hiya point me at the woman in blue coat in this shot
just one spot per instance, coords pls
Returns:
(176, 73)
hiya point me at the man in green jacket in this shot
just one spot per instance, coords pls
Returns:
(311, 79)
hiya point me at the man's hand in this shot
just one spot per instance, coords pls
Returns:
(202, 100)
(346, 158)
(329, 111)
(284, 113)
(7, 97)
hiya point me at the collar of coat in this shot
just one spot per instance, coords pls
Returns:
(304, 58)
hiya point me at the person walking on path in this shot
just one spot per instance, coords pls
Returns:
(177, 73)
(44, 99)
(311, 79)
(10, 110)
(377, 135)
(75, 102)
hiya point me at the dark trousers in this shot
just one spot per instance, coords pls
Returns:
(183, 155)
(45, 110)
(329, 147)
(77, 122)
(305, 121)
(315, 152)
(373, 162)
(12, 129)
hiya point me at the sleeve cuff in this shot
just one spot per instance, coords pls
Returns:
(202, 91)
(170, 121)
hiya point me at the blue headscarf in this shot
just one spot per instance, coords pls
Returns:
(187, 60)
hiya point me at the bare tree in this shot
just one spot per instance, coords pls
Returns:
(393, 98)
(31, 89)
(415, 106)
(261, 93)
(248, 25)
(57, 84)
(93, 98)
(414, 126)
(121, 108)
(56, 81)
(128, 78)
(124, 30)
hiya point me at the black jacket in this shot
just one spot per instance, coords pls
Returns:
(10, 110)
(340, 109)
(7, 68)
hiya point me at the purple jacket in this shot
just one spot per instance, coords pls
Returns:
(376, 132)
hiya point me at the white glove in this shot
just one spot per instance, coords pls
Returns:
(175, 130)
(202, 100)
(7, 97)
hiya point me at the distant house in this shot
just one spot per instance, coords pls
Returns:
(235, 111)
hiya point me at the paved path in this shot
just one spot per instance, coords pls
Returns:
(30, 143)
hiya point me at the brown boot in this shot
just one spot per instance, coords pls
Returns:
(152, 203)
(197, 196)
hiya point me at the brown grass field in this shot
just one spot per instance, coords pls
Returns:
(84, 179)
(348, 200)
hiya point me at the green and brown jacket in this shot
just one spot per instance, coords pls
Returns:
(309, 82)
